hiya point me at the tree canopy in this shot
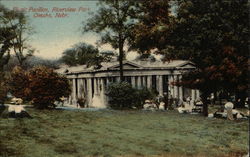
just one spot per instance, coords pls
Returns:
(211, 33)
(16, 29)
(113, 21)
(6, 35)
(214, 35)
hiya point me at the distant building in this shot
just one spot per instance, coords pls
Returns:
(90, 83)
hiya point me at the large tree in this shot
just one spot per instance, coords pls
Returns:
(114, 22)
(20, 27)
(214, 35)
(6, 35)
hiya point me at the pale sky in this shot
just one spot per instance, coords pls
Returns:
(54, 35)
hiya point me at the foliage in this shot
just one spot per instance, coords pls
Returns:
(18, 25)
(217, 43)
(85, 54)
(113, 21)
(123, 96)
(80, 54)
(212, 34)
(46, 86)
(154, 21)
(6, 35)
(41, 85)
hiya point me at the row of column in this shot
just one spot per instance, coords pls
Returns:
(82, 88)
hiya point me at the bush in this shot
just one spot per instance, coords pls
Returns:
(42, 86)
(123, 96)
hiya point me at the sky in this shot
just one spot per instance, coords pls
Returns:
(53, 34)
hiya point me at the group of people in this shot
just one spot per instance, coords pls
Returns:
(167, 102)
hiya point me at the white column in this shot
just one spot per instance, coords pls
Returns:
(99, 83)
(170, 86)
(117, 79)
(180, 89)
(138, 82)
(107, 80)
(133, 81)
(89, 86)
(102, 92)
(149, 82)
(84, 88)
(192, 94)
(95, 86)
(197, 94)
(142, 81)
(157, 83)
(160, 85)
(145, 81)
(74, 92)
(79, 88)
(175, 88)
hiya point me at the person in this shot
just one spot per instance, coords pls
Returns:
(229, 108)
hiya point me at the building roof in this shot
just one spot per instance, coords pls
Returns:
(175, 64)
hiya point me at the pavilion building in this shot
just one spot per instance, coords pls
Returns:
(90, 84)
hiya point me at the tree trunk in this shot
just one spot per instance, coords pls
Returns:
(121, 54)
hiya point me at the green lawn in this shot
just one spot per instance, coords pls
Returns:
(57, 133)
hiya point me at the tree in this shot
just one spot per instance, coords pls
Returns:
(19, 26)
(40, 85)
(80, 54)
(212, 34)
(217, 42)
(114, 22)
(6, 35)
(85, 54)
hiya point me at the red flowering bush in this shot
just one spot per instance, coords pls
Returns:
(42, 86)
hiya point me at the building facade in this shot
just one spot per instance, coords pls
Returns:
(90, 84)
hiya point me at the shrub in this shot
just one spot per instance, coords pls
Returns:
(42, 86)
(123, 96)
(46, 86)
